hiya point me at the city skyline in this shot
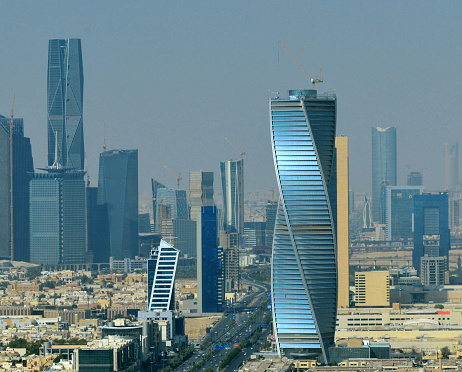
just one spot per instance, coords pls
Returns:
(240, 70)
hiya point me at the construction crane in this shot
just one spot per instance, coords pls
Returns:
(242, 153)
(314, 80)
(11, 180)
(178, 178)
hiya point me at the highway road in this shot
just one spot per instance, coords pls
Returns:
(237, 324)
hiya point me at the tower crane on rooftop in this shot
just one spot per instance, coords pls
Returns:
(242, 153)
(178, 178)
(314, 80)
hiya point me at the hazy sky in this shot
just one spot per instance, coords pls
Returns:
(173, 78)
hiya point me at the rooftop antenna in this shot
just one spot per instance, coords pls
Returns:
(313, 80)
(11, 180)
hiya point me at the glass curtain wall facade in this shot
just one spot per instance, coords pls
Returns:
(118, 205)
(155, 186)
(304, 273)
(58, 230)
(22, 165)
(432, 237)
(161, 277)
(232, 179)
(383, 166)
(65, 103)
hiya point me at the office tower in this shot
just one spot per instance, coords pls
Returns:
(22, 164)
(65, 103)
(304, 275)
(351, 201)
(176, 203)
(118, 204)
(58, 231)
(93, 225)
(155, 186)
(270, 211)
(414, 179)
(200, 192)
(208, 263)
(343, 198)
(161, 277)
(399, 210)
(383, 165)
(372, 289)
(431, 227)
(451, 166)
(183, 234)
(232, 179)
(144, 223)
(230, 244)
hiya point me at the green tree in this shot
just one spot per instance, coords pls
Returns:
(439, 306)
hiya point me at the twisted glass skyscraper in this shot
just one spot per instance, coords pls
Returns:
(65, 103)
(304, 274)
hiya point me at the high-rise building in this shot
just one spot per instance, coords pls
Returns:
(58, 225)
(304, 270)
(118, 204)
(200, 192)
(343, 214)
(208, 263)
(161, 277)
(432, 237)
(144, 223)
(175, 201)
(367, 220)
(414, 179)
(270, 211)
(232, 180)
(372, 288)
(22, 164)
(155, 186)
(383, 165)
(65, 103)
(451, 167)
(399, 210)
(230, 244)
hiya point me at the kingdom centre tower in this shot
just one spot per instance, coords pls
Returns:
(303, 271)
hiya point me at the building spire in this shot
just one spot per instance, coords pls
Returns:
(104, 137)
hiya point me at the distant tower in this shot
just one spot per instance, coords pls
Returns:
(161, 277)
(232, 178)
(65, 102)
(118, 204)
(271, 209)
(155, 186)
(451, 166)
(22, 165)
(383, 165)
(431, 227)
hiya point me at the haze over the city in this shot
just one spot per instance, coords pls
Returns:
(172, 79)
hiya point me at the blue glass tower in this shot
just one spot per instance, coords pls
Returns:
(304, 273)
(383, 166)
(65, 103)
(209, 273)
(432, 237)
(118, 205)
